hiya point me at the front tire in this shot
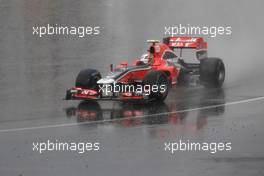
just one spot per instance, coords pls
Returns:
(212, 72)
(87, 79)
(157, 78)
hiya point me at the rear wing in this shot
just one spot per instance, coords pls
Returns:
(186, 42)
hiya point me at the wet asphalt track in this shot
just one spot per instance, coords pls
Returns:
(35, 73)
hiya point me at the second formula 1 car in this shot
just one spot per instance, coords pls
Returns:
(151, 76)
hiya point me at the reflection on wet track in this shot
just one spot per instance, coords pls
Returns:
(132, 114)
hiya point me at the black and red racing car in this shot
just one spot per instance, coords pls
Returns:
(151, 76)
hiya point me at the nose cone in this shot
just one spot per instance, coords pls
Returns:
(105, 81)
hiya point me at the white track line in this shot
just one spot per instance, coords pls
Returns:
(136, 117)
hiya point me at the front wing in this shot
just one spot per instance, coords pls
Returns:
(77, 93)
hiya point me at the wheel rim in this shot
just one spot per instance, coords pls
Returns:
(162, 81)
(221, 76)
(221, 73)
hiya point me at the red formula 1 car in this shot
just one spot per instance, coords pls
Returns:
(151, 76)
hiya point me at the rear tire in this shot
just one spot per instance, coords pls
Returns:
(157, 78)
(182, 79)
(87, 79)
(212, 72)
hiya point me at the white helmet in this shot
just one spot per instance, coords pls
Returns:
(144, 58)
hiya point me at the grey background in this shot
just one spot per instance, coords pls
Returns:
(35, 72)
